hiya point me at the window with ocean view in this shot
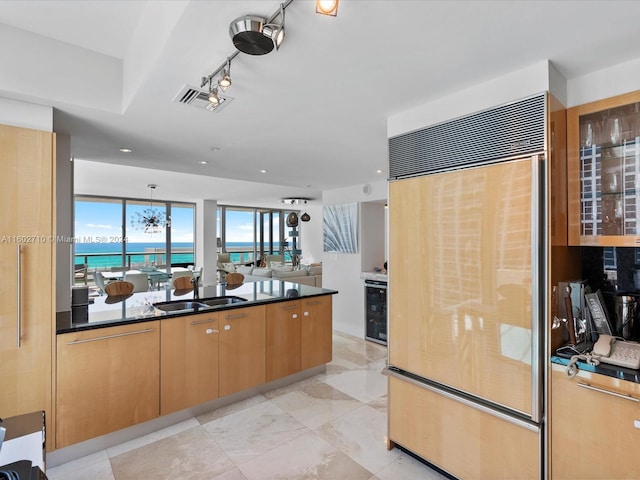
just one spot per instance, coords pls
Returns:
(114, 233)
(250, 233)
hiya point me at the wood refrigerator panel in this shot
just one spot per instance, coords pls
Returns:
(460, 309)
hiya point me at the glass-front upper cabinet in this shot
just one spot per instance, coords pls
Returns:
(603, 143)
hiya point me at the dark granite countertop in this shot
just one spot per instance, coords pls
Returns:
(138, 307)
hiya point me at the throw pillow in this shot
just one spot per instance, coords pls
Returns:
(262, 272)
(245, 270)
(281, 268)
(228, 267)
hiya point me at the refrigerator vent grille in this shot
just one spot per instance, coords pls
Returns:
(507, 131)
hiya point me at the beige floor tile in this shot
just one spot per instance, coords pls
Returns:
(254, 431)
(316, 404)
(233, 474)
(95, 467)
(152, 437)
(361, 434)
(305, 458)
(189, 455)
(364, 384)
(407, 467)
(232, 408)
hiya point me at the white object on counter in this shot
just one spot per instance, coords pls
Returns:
(24, 439)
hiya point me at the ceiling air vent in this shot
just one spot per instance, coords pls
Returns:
(200, 99)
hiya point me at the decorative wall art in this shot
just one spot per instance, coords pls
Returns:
(341, 228)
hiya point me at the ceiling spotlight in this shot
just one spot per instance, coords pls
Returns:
(126, 150)
(225, 77)
(213, 96)
(274, 31)
(327, 7)
(256, 35)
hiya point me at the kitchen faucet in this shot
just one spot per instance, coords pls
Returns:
(196, 293)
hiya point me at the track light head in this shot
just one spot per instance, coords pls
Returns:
(213, 96)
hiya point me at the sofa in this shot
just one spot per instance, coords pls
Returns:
(311, 275)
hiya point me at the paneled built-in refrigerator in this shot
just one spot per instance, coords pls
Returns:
(466, 287)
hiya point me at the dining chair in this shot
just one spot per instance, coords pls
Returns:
(99, 279)
(80, 272)
(140, 281)
(234, 278)
(181, 273)
(183, 282)
(119, 287)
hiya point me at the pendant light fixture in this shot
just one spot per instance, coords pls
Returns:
(151, 220)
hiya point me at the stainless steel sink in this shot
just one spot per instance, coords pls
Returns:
(180, 305)
(227, 300)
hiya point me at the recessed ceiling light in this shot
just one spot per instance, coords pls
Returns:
(263, 171)
(378, 171)
(203, 162)
(126, 150)
(214, 149)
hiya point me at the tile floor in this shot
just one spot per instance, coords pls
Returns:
(331, 426)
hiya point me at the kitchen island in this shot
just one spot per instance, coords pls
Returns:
(122, 362)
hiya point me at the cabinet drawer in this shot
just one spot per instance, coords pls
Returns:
(595, 422)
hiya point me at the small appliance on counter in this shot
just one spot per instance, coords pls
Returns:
(22, 451)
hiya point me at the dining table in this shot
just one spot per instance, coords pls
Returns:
(156, 276)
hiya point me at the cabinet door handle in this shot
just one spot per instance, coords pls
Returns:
(241, 315)
(206, 320)
(19, 299)
(313, 303)
(137, 332)
(608, 392)
(290, 307)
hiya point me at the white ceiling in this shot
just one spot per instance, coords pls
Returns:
(313, 114)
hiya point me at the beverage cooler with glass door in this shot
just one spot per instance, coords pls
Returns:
(376, 311)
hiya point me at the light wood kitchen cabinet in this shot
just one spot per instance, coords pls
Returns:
(27, 290)
(283, 339)
(603, 146)
(466, 442)
(316, 332)
(188, 361)
(595, 424)
(242, 349)
(107, 379)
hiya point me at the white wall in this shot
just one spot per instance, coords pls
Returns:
(26, 115)
(341, 271)
(311, 234)
(516, 85)
(621, 78)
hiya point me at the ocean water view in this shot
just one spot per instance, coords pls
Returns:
(106, 255)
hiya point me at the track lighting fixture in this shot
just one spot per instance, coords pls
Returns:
(225, 77)
(327, 7)
(250, 34)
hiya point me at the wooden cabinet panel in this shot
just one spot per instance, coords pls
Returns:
(188, 362)
(465, 441)
(283, 339)
(108, 379)
(242, 349)
(593, 433)
(460, 252)
(26, 252)
(316, 332)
